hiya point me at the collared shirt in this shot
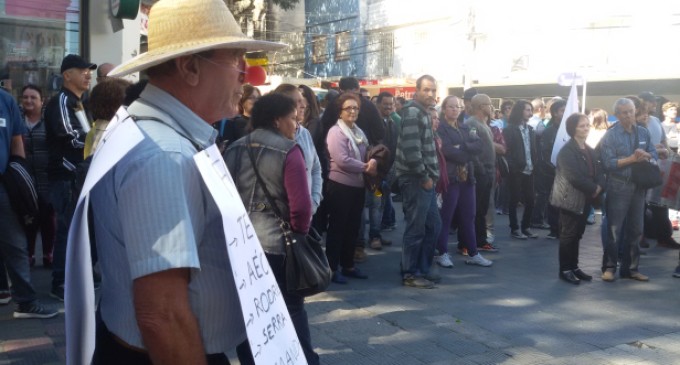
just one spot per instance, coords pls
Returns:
(526, 140)
(617, 143)
(152, 212)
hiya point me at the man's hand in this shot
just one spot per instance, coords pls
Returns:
(641, 155)
(427, 185)
(662, 151)
(597, 191)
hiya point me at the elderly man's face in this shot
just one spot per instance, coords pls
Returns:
(222, 80)
(626, 114)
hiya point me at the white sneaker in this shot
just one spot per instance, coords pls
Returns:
(444, 260)
(478, 259)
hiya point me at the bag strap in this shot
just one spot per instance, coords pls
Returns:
(285, 226)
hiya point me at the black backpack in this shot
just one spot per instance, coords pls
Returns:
(21, 190)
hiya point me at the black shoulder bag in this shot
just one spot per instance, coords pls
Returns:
(21, 190)
(645, 174)
(306, 265)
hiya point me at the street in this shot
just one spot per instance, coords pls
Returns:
(514, 312)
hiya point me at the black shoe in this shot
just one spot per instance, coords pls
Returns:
(33, 310)
(338, 278)
(553, 236)
(57, 292)
(354, 273)
(581, 275)
(540, 225)
(569, 277)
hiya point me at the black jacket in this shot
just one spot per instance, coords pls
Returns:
(515, 148)
(546, 147)
(572, 164)
(65, 136)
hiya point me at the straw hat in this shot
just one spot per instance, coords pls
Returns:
(182, 27)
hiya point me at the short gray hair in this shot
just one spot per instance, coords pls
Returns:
(621, 102)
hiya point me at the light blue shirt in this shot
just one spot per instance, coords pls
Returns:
(617, 144)
(152, 212)
(312, 165)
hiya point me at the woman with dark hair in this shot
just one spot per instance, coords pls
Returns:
(37, 156)
(579, 180)
(347, 147)
(304, 139)
(232, 129)
(105, 99)
(280, 163)
(521, 155)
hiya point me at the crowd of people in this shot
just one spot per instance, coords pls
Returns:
(334, 165)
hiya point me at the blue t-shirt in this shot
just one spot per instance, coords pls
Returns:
(10, 126)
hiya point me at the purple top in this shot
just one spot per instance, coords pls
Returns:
(345, 169)
(297, 188)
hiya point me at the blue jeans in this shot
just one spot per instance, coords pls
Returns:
(625, 208)
(63, 199)
(14, 251)
(423, 224)
(388, 218)
(375, 212)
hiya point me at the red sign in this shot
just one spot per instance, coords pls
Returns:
(44, 9)
(405, 92)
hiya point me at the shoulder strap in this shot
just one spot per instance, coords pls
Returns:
(275, 208)
(181, 132)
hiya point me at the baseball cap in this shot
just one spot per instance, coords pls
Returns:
(647, 96)
(75, 61)
(469, 93)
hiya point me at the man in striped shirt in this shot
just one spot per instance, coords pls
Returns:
(417, 172)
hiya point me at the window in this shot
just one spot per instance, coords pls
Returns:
(342, 45)
(319, 46)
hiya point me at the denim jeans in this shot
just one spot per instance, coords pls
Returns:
(423, 224)
(63, 200)
(14, 251)
(625, 208)
(375, 207)
(388, 217)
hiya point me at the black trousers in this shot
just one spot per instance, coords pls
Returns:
(572, 226)
(521, 188)
(345, 204)
(659, 227)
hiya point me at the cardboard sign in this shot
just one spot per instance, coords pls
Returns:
(270, 330)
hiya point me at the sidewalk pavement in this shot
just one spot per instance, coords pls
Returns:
(515, 312)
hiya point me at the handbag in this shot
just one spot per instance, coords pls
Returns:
(21, 190)
(645, 174)
(307, 271)
(565, 196)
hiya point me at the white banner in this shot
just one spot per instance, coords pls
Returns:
(270, 330)
(562, 137)
(79, 287)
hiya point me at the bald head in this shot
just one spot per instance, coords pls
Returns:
(481, 107)
(104, 70)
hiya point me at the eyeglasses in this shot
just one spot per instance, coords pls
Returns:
(239, 68)
(351, 109)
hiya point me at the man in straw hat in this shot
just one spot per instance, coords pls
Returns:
(168, 294)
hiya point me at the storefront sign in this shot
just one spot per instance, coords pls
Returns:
(124, 9)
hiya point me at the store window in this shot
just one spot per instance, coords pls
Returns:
(35, 35)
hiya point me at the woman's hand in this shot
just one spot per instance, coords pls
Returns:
(371, 167)
(597, 191)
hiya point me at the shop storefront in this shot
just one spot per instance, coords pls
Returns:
(34, 37)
